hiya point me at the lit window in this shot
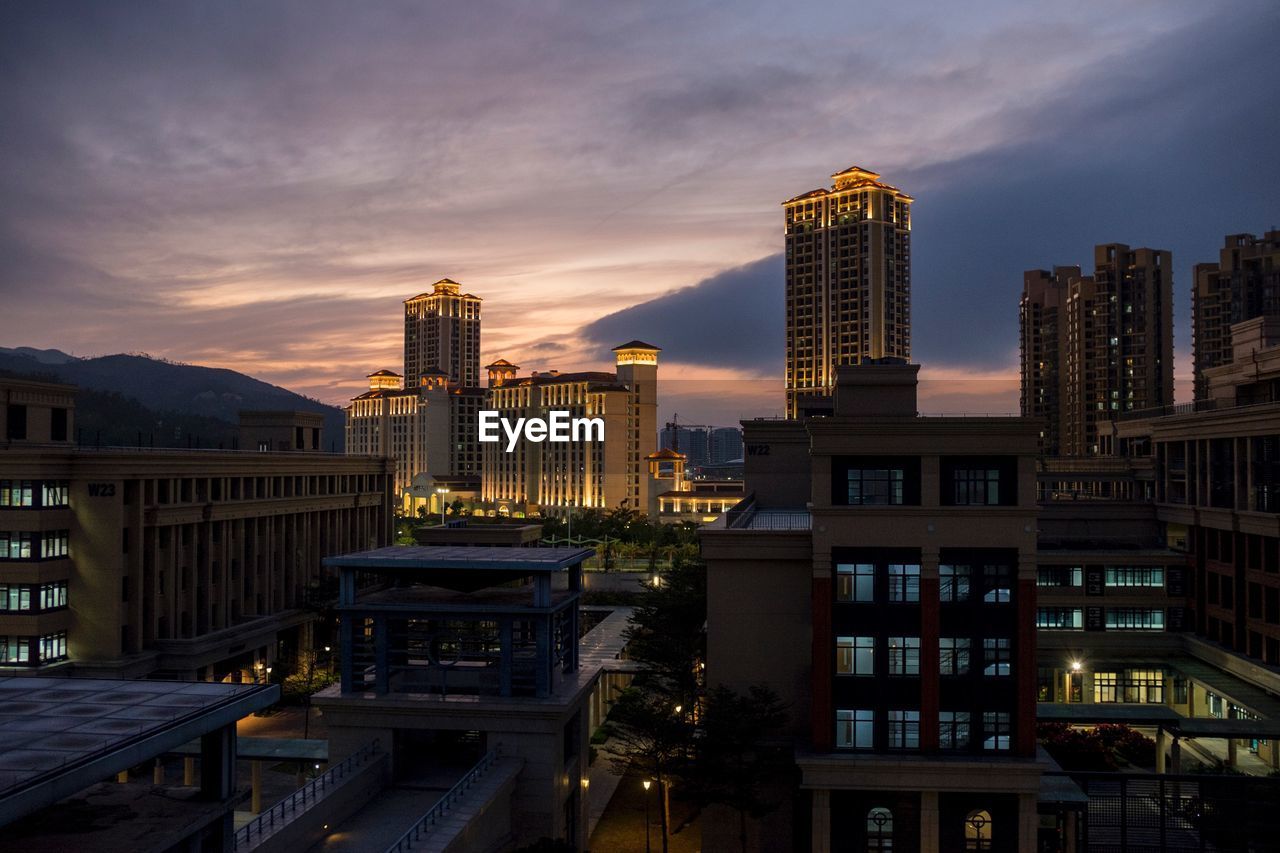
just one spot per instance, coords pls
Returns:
(855, 582)
(977, 831)
(904, 655)
(855, 655)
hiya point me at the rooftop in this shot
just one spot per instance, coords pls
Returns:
(406, 557)
(61, 735)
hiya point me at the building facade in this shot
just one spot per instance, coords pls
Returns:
(1245, 283)
(192, 564)
(1095, 346)
(893, 559)
(429, 432)
(848, 282)
(551, 477)
(442, 333)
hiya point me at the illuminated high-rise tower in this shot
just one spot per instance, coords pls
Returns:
(442, 334)
(848, 282)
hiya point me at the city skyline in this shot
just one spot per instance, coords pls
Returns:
(194, 196)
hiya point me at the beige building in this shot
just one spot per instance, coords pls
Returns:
(429, 432)
(848, 282)
(442, 333)
(1245, 283)
(674, 497)
(192, 564)
(1093, 347)
(551, 477)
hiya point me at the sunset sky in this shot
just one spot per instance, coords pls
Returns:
(259, 185)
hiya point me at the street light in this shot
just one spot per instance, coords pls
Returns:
(442, 491)
(646, 783)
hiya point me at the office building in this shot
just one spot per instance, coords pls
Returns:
(430, 433)
(892, 558)
(127, 562)
(442, 333)
(694, 442)
(1095, 346)
(848, 282)
(726, 445)
(1245, 283)
(558, 477)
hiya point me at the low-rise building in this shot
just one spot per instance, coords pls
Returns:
(127, 562)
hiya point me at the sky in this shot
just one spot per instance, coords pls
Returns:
(259, 185)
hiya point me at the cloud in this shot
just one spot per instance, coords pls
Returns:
(732, 319)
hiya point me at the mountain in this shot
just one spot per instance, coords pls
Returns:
(171, 399)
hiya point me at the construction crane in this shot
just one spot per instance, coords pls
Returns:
(674, 426)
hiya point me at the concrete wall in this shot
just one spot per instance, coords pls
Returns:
(350, 795)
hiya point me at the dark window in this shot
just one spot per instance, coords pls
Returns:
(58, 424)
(17, 422)
(953, 729)
(876, 481)
(979, 481)
(953, 583)
(875, 486)
(904, 582)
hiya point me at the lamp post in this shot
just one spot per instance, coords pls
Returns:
(647, 783)
(442, 491)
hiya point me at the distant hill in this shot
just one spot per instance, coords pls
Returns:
(124, 395)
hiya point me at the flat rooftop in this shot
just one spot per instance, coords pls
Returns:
(461, 557)
(58, 736)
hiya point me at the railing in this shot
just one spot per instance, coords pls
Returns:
(301, 800)
(443, 805)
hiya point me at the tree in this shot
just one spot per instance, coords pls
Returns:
(739, 758)
(616, 526)
(654, 735)
(667, 632)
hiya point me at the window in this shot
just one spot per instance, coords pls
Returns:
(54, 544)
(875, 486)
(904, 655)
(996, 583)
(15, 649)
(995, 725)
(904, 730)
(14, 597)
(977, 486)
(1135, 619)
(15, 493)
(58, 423)
(855, 729)
(1144, 686)
(855, 582)
(995, 656)
(904, 582)
(879, 830)
(953, 729)
(953, 655)
(953, 583)
(16, 427)
(855, 655)
(1060, 618)
(1151, 576)
(53, 646)
(977, 831)
(15, 546)
(55, 493)
(1054, 576)
(53, 595)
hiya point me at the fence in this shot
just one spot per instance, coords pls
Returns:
(301, 800)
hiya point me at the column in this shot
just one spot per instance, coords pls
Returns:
(381, 656)
(929, 631)
(255, 806)
(1162, 745)
(157, 773)
(506, 659)
(1028, 821)
(218, 763)
(1232, 757)
(542, 655)
(929, 829)
(822, 821)
(189, 772)
(1175, 756)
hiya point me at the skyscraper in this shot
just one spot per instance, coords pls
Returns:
(1245, 283)
(442, 333)
(848, 282)
(1096, 346)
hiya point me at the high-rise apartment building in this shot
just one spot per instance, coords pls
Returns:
(1093, 347)
(892, 558)
(127, 562)
(554, 477)
(726, 445)
(848, 282)
(1245, 283)
(430, 432)
(442, 333)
